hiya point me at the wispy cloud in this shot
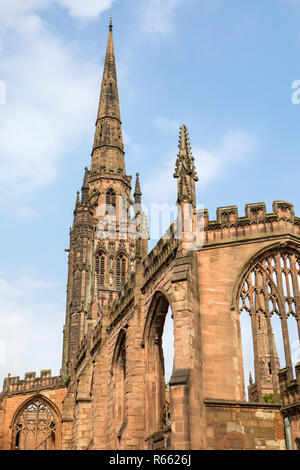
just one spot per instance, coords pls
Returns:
(28, 325)
(167, 124)
(14, 12)
(50, 98)
(157, 16)
(86, 9)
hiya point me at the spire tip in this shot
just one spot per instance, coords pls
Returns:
(110, 24)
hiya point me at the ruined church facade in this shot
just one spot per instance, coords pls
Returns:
(111, 392)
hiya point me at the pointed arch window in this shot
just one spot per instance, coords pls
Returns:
(100, 269)
(269, 292)
(119, 385)
(110, 200)
(121, 271)
(158, 398)
(36, 427)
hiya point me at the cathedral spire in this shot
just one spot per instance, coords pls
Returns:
(108, 148)
(185, 170)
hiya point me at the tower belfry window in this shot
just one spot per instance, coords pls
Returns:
(121, 272)
(110, 200)
(100, 269)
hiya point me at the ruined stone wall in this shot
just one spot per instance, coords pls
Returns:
(200, 286)
(242, 426)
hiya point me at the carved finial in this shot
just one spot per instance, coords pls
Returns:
(184, 142)
(137, 191)
(110, 24)
(77, 199)
(185, 170)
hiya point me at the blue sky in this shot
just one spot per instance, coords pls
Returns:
(225, 68)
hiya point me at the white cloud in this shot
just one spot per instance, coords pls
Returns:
(156, 16)
(212, 164)
(14, 13)
(166, 124)
(87, 9)
(50, 102)
(27, 212)
(29, 322)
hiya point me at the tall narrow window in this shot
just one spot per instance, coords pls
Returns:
(100, 269)
(110, 200)
(121, 272)
(159, 363)
(119, 389)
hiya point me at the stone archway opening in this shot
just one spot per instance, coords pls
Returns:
(159, 343)
(268, 303)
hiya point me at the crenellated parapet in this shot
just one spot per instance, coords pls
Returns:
(13, 385)
(229, 226)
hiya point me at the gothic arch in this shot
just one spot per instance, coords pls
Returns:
(36, 425)
(259, 255)
(157, 403)
(269, 284)
(159, 294)
(121, 269)
(118, 374)
(101, 267)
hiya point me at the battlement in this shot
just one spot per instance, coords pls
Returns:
(256, 222)
(254, 212)
(13, 385)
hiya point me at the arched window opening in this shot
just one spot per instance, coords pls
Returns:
(160, 355)
(119, 389)
(294, 339)
(121, 271)
(110, 201)
(247, 354)
(168, 358)
(100, 269)
(35, 427)
(269, 294)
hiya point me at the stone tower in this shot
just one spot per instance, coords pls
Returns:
(105, 240)
(267, 361)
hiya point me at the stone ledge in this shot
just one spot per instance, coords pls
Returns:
(180, 377)
(240, 404)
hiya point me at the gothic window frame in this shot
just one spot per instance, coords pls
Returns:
(100, 268)
(39, 401)
(269, 284)
(121, 269)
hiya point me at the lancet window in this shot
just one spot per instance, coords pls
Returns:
(121, 271)
(100, 269)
